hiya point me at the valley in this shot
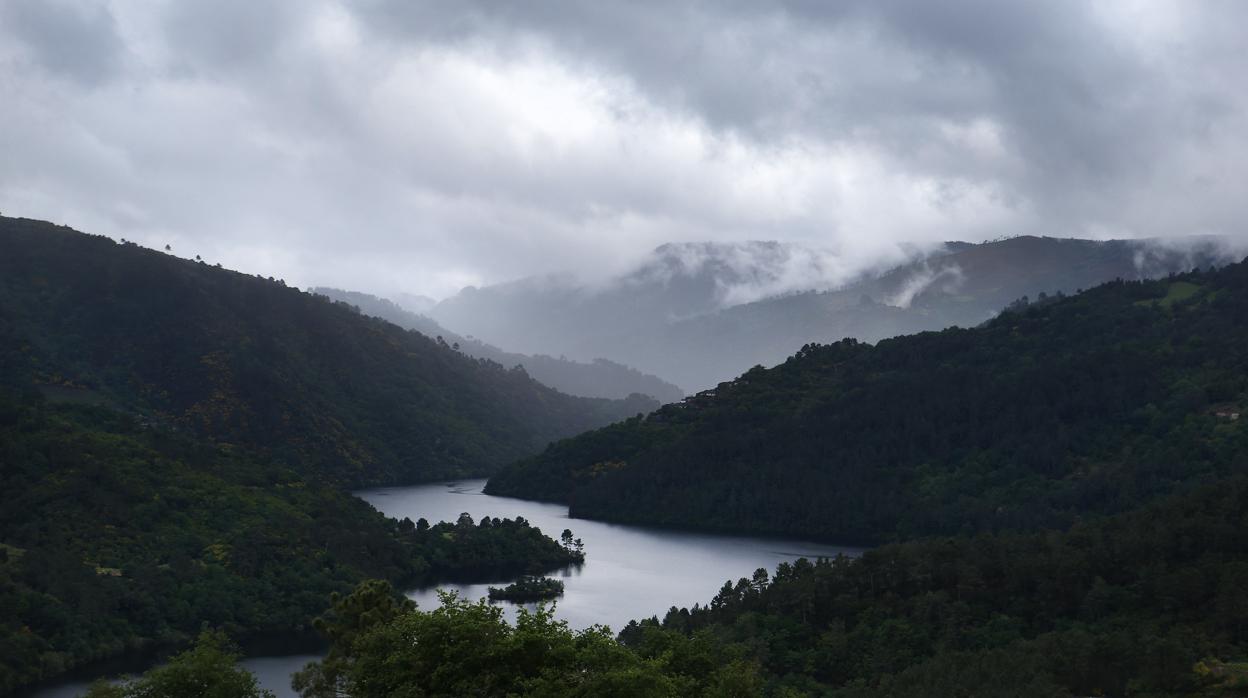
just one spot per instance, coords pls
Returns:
(402, 349)
(630, 573)
(860, 512)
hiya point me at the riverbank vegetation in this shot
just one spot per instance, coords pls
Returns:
(176, 441)
(1126, 605)
(120, 537)
(209, 669)
(528, 589)
(465, 648)
(1145, 603)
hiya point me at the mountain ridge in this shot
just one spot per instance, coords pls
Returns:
(1054, 409)
(669, 317)
(247, 360)
(599, 378)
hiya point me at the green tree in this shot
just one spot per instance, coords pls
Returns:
(467, 648)
(207, 670)
(373, 603)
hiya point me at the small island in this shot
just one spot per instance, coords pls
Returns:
(528, 589)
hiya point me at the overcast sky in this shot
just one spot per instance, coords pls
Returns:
(393, 145)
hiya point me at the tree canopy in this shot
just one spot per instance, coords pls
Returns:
(1052, 411)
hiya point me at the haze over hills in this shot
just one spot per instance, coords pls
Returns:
(415, 303)
(676, 282)
(597, 378)
(701, 314)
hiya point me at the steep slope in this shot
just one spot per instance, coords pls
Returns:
(116, 536)
(248, 361)
(1145, 603)
(689, 313)
(597, 378)
(174, 439)
(1085, 404)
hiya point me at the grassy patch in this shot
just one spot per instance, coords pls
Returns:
(1177, 292)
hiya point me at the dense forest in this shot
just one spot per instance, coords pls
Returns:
(1096, 506)
(1145, 603)
(380, 646)
(209, 669)
(597, 378)
(251, 362)
(527, 589)
(1055, 410)
(176, 441)
(116, 536)
(1060, 494)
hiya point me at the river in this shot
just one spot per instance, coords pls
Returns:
(630, 572)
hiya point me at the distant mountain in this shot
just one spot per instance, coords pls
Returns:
(415, 303)
(700, 314)
(1050, 412)
(597, 378)
(676, 282)
(245, 360)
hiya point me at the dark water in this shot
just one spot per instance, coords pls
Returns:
(630, 572)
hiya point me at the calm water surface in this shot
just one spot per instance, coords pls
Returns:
(630, 572)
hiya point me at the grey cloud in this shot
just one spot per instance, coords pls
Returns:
(76, 40)
(1089, 117)
(922, 280)
(227, 35)
(399, 146)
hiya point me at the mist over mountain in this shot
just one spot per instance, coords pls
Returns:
(674, 283)
(598, 378)
(699, 314)
(414, 302)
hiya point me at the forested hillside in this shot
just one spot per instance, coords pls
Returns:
(1049, 413)
(1145, 603)
(596, 378)
(248, 361)
(175, 442)
(117, 536)
(1148, 603)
